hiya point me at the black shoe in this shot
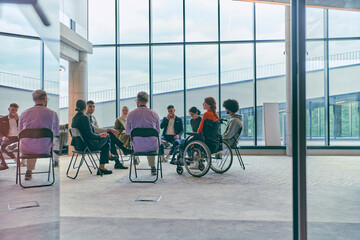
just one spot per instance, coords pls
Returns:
(153, 171)
(113, 157)
(127, 151)
(103, 172)
(119, 166)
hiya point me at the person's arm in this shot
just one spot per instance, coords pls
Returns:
(157, 119)
(97, 129)
(21, 124)
(164, 123)
(56, 127)
(205, 116)
(85, 129)
(181, 128)
(231, 129)
(118, 126)
(128, 127)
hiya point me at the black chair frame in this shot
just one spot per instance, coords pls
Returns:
(145, 132)
(236, 148)
(35, 133)
(74, 132)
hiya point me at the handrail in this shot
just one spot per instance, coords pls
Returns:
(192, 82)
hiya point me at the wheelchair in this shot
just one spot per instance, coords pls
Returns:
(202, 152)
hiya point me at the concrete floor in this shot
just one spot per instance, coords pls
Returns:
(251, 204)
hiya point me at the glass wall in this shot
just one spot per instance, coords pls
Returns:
(209, 47)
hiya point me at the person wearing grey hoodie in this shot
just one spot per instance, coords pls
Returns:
(232, 131)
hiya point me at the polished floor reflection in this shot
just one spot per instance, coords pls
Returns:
(251, 204)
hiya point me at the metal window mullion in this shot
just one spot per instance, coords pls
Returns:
(298, 60)
(255, 74)
(326, 77)
(184, 65)
(219, 60)
(150, 60)
(117, 59)
(42, 66)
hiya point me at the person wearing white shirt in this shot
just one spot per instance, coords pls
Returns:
(9, 132)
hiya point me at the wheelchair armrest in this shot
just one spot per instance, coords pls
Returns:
(192, 133)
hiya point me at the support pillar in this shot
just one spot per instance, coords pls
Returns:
(288, 82)
(78, 87)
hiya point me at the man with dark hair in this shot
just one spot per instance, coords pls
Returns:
(9, 132)
(112, 133)
(231, 134)
(173, 129)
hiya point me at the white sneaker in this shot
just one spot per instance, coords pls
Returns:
(194, 166)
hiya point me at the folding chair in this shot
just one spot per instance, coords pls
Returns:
(145, 132)
(35, 133)
(75, 133)
(237, 148)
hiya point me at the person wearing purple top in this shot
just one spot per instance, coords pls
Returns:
(143, 117)
(38, 116)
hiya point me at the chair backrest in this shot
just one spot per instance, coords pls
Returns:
(77, 139)
(212, 134)
(36, 133)
(144, 132)
(74, 132)
(235, 139)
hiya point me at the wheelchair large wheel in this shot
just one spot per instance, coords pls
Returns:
(221, 161)
(197, 158)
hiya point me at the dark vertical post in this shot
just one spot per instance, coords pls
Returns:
(150, 60)
(254, 80)
(42, 67)
(298, 41)
(117, 62)
(219, 59)
(184, 65)
(310, 121)
(326, 78)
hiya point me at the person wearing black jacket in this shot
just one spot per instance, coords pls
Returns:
(173, 128)
(8, 132)
(93, 140)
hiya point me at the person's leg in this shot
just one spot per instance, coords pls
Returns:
(104, 155)
(31, 164)
(117, 142)
(175, 144)
(30, 167)
(151, 161)
(56, 149)
(4, 144)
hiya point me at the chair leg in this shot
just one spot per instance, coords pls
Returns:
(130, 169)
(242, 165)
(87, 166)
(77, 172)
(42, 185)
(94, 162)
(51, 164)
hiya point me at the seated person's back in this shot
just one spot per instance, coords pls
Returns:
(38, 117)
(232, 131)
(143, 117)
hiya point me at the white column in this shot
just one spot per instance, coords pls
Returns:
(288, 82)
(78, 87)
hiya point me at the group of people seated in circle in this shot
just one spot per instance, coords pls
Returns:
(106, 139)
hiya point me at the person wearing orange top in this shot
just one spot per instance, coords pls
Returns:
(210, 107)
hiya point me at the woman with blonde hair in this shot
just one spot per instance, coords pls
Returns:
(120, 125)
